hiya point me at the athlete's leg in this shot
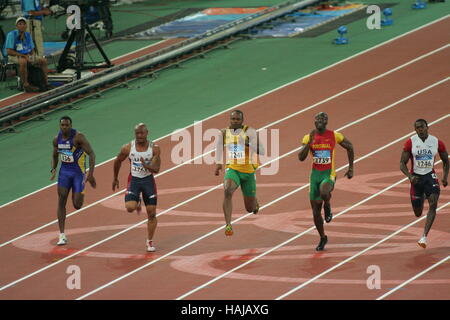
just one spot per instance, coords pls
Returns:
(431, 215)
(316, 206)
(152, 222)
(131, 205)
(417, 198)
(248, 187)
(78, 190)
(326, 188)
(63, 194)
(251, 204)
(229, 188)
(77, 199)
(132, 195)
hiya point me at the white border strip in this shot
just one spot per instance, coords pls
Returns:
(249, 214)
(294, 150)
(266, 93)
(356, 255)
(413, 278)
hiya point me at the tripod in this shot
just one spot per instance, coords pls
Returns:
(78, 35)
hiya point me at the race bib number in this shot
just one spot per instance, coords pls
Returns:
(424, 162)
(236, 152)
(138, 167)
(322, 157)
(66, 158)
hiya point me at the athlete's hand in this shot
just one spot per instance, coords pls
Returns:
(115, 184)
(218, 168)
(444, 182)
(349, 173)
(414, 179)
(53, 172)
(90, 178)
(311, 136)
(144, 164)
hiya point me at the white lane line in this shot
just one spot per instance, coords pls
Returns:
(206, 284)
(355, 255)
(141, 49)
(249, 214)
(413, 278)
(264, 94)
(207, 191)
(271, 124)
(294, 150)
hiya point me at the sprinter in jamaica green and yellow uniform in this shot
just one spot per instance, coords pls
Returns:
(242, 146)
(321, 144)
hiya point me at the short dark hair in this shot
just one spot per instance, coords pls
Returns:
(421, 120)
(65, 118)
(238, 111)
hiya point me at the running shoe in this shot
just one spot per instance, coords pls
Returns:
(228, 230)
(422, 242)
(327, 210)
(322, 243)
(257, 208)
(150, 247)
(62, 240)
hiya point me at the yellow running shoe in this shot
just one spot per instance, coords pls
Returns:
(228, 230)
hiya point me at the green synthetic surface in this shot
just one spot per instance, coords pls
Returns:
(201, 88)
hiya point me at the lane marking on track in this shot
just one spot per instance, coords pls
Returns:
(271, 124)
(356, 255)
(219, 185)
(263, 94)
(214, 188)
(249, 214)
(415, 277)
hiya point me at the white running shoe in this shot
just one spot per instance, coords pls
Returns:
(62, 240)
(150, 247)
(422, 242)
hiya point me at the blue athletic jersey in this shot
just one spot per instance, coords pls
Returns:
(13, 41)
(72, 158)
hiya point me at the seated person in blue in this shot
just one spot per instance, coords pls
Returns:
(20, 50)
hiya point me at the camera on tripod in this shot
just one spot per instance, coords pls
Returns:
(89, 13)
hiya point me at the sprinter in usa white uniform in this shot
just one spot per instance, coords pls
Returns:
(421, 149)
(145, 160)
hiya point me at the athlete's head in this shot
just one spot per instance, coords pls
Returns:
(321, 121)
(236, 119)
(65, 124)
(421, 127)
(140, 133)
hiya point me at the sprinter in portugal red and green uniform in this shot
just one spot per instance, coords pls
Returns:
(321, 143)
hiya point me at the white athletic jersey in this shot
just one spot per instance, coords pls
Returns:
(423, 153)
(137, 170)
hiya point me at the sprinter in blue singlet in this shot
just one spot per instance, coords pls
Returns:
(71, 147)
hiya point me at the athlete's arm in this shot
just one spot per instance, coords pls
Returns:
(445, 162)
(346, 144)
(403, 166)
(156, 160)
(84, 144)
(304, 149)
(123, 154)
(54, 158)
(219, 152)
(253, 141)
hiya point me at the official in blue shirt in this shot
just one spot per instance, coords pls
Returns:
(20, 49)
(34, 12)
